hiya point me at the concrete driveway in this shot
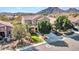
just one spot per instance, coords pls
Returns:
(69, 44)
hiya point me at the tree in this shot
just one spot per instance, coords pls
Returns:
(20, 34)
(63, 23)
(18, 18)
(19, 31)
(44, 27)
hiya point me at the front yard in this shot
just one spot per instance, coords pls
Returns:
(69, 44)
(41, 36)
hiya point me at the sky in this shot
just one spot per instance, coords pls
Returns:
(25, 9)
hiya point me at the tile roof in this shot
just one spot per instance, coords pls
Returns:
(2, 23)
(32, 17)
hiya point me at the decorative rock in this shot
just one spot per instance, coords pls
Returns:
(53, 38)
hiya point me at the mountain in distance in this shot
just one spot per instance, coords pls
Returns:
(51, 10)
(57, 10)
(72, 10)
(18, 13)
(47, 10)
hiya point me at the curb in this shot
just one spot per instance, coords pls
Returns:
(34, 45)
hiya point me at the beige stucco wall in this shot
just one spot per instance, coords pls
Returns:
(2, 29)
(52, 20)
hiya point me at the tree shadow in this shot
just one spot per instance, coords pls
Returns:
(56, 33)
(59, 43)
(76, 37)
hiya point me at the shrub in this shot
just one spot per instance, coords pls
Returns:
(19, 31)
(4, 18)
(74, 14)
(44, 27)
(36, 38)
(63, 23)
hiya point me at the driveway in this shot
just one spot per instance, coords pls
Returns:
(68, 44)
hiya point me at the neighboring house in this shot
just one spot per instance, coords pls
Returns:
(5, 29)
(30, 19)
(74, 20)
(52, 19)
(34, 19)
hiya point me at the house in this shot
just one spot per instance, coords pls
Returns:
(52, 19)
(30, 19)
(74, 20)
(34, 19)
(5, 29)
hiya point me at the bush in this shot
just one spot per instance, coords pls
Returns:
(74, 14)
(4, 18)
(44, 27)
(36, 38)
(63, 23)
(19, 31)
